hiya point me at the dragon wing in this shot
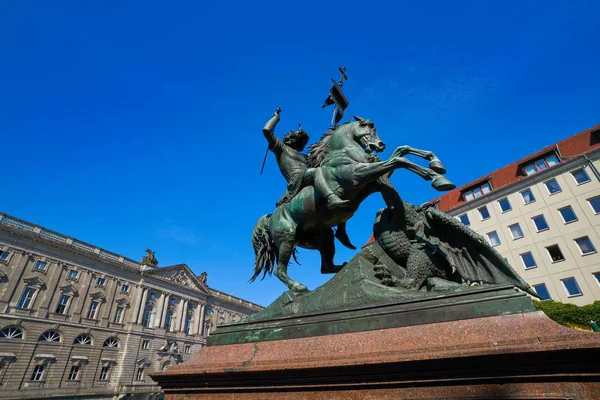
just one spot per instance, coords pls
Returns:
(467, 251)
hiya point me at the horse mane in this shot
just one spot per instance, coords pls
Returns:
(316, 154)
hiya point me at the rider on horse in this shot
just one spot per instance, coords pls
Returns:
(293, 166)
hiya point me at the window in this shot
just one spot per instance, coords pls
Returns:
(119, 315)
(139, 374)
(540, 223)
(567, 214)
(40, 265)
(4, 255)
(571, 287)
(93, 312)
(542, 291)
(111, 342)
(125, 288)
(477, 191)
(527, 196)
(83, 339)
(580, 176)
(585, 245)
(597, 276)
(595, 204)
(152, 296)
(515, 231)
(484, 213)
(63, 304)
(464, 219)
(11, 332)
(38, 373)
(100, 282)
(209, 311)
(73, 274)
(145, 344)
(50, 336)
(555, 253)
(188, 324)
(26, 298)
(168, 320)
(104, 372)
(188, 348)
(552, 186)
(528, 260)
(147, 317)
(504, 205)
(540, 165)
(493, 238)
(74, 374)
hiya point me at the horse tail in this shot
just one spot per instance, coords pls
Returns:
(264, 249)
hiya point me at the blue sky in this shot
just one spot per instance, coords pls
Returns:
(138, 124)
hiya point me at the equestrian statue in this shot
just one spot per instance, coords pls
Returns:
(425, 249)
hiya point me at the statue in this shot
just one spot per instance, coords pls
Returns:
(422, 248)
(344, 156)
(149, 259)
(203, 276)
(293, 166)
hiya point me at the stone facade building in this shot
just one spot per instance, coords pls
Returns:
(542, 213)
(80, 321)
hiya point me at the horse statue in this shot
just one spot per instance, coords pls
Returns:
(345, 155)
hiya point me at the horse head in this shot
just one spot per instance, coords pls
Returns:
(365, 134)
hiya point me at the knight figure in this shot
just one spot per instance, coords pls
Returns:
(294, 168)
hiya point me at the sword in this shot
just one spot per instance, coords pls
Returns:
(267, 151)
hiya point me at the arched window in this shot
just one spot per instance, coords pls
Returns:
(83, 339)
(147, 317)
(12, 332)
(50, 336)
(111, 342)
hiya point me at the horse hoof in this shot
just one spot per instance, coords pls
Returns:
(442, 184)
(298, 287)
(437, 166)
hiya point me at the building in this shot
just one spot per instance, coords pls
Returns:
(542, 214)
(77, 320)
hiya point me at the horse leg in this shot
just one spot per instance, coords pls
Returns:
(286, 249)
(434, 163)
(327, 250)
(439, 182)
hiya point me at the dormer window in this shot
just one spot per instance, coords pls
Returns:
(540, 164)
(477, 191)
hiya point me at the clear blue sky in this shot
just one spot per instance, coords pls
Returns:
(138, 124)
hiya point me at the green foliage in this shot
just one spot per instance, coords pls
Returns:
(570, 315)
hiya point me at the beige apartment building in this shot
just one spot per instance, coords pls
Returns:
(78, 321)
(542, 214)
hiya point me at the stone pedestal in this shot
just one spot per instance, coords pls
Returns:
(513, 355)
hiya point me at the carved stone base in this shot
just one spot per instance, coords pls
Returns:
(517, 356)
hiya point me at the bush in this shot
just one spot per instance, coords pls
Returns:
(570, 315)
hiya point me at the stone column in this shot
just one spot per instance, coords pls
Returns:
(140, 316)
(159, 310)
(163, 315)
(195, 324)
(137, 303)
(201, 319)
(178, 315)
(183, 315)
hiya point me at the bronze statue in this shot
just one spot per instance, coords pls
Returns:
(306, 220)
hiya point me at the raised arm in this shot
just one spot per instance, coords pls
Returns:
(269, 129)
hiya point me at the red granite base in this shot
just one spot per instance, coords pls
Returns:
(517, 356)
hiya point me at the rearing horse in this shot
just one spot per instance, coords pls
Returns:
(344, 154)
